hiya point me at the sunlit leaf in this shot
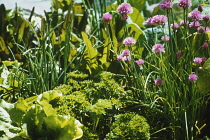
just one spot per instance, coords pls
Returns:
(3, 46)
(91, 52)
(137, 17)
(138, 4)
(203, 81)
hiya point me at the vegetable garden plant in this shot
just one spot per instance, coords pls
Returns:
(115, 69)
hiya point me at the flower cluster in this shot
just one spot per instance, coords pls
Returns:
(193, 77)
(205, 45)
(183, 23)
(195, 15)
(206, 18)
(158, 48)
(140, 62)
(159, 82)
(157, 20)
(129, 41)
(165, 38)
(174, 26)
(124, 56)
(107, 17)
(166, 4)
(184, 3)
(124, 9)
(199, 60)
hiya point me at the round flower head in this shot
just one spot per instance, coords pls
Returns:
(165, 38)
(129, 41)
(202, 29)
(182, 23)
(159, 82)
(127, 58)
(206, 18)
(193, 77)
(158, 48)
(198, 60)
(184, 3)
(126, 53)
(194, 24)
(124, 56)
(200, 8)
(178, 54)
(107, 17)
(159, 20)
(149, 21)
(140, 62)
(195, 15)
(166, 4)
(205, 45)
(174, 26)
(119, 57)
(124, 9)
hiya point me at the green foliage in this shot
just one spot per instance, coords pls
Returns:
(13, 81)
(129, 126)
(32, 119)
(203, 80)
(93, 102)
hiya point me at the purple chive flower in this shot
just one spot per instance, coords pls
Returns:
(194, 24)
(205, 45)
(182, 23)
(158, 48)
(159, 20)
(124, 56)
(202, 29)
(140, 62)
(200, 8)
(159, 82)
(129, 41)
(107, 17)
(206, 18)
(119, 57)
(149, 21)
(184, 3)
(126, 53)
(195, 15)
(198, 60)
(165, 38)
(203, 60)
(193, 77)
(166, 4)
(174, 26)
(178, 54)
(124, 9)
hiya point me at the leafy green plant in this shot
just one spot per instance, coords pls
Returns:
(129, 126)
(94, 102)
(32, 119)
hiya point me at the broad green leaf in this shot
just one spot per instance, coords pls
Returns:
(112, 7)
(133, 29)
(48, 109)
(21, 31)
(138, 4)
(91, 53)
(114, 38)
(106, 48)
(20, 108)
(203, 81)
(49, 95)
(63, 128)
(137, 17)
(3, 46)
